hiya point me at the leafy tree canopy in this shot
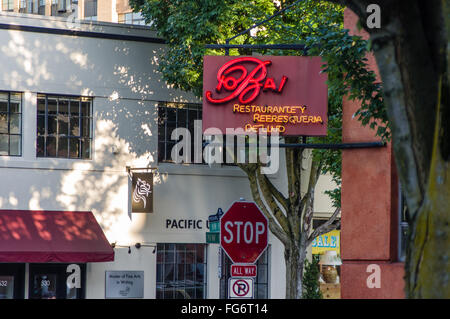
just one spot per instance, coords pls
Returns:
(187, 25)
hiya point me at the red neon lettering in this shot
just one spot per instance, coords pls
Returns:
(283, 82)
(246, 87)
(270, 84)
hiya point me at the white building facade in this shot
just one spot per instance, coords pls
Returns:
(79, 103)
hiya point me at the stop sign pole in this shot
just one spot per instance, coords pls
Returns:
(244, 232)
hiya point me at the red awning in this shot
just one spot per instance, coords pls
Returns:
(52, 236)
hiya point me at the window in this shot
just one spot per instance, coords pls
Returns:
(261, 287)
(10, 124)
(41, 7)
(90, 10)
(49, 281)
(12, 281)
(26, 6)
(403, 226)
(7, 5)
(62, 7)
(64, 127)
(181, 271)
(170, 117)
(132, 18)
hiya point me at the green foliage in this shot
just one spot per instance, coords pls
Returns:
(187, 25)
(311, 285)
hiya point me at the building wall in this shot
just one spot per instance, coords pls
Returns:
(369, 232)
(122, 78)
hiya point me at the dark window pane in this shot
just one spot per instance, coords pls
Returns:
(44, 286)
(4, 144)
(41, 106)
(200, 272)
(41, 125)
(75, 126)
(172, 115)
(180, 272)
(169, 147)
(15, 107)
(74, 147)
(199, 293)
(15, 146)
(74, 107)
(63, 107)
(52, 106)
(40, 147)
(52, 125)
(161, 151)
(168, 293)
(15, 123)
(3, 104)
(85, 109)
(63, 125)
(63, 147)
(51, 146)
(4, 123)
(86, 148)
(182, 118)
(86, 124)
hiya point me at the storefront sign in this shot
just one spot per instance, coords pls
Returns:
(124, 284)
(142, 193)
(286, 93)
(328, 241)
(181, 223)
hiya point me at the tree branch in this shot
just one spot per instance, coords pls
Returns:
(276, 211)
(276, 193)
(278, 229)
(325, 227)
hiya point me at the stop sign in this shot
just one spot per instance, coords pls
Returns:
(243, 232)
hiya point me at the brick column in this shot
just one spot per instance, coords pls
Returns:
(369, 206)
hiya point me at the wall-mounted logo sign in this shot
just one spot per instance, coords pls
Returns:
(142, 193)
(286, 93)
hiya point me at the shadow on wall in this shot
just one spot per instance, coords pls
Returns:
(123, 78)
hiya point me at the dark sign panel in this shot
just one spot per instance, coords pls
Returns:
(265, 93)
(142, 193)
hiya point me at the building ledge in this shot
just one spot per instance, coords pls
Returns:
(68, 26)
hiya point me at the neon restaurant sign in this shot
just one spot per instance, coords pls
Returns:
(286, 93)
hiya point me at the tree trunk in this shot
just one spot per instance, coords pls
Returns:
(428, 256)
(411, 49)
(294, 257)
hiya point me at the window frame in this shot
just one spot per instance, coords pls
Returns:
(8, 119)
(59, 270)
(80, 138)
(8, 5)
(90, 4)
(165, 248)
(188, 107)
